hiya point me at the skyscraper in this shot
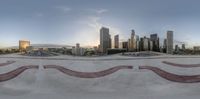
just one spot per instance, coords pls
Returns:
(137, 43)
(125, 45)
(141, 43)
(116, 41)
(165, 45)
(146, 44)
(155, 40)
(105, 39)
(169, 42)
(132, 42)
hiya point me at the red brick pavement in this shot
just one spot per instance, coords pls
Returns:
(12, 74)
(181, 65)
(173, 77)
(87, 74)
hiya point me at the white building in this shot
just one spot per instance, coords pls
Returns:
(78, 51)
(82, 51)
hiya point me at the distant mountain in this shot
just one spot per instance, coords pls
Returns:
(41, 46)
(49, 45)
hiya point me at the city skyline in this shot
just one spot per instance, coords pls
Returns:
(67, 22)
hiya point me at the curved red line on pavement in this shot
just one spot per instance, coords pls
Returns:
(12, 74)
(87, 74)
(7, 63)
(173, 77)
(181, 65)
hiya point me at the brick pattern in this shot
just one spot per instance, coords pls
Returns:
(87, 74)
(12, 74)
(7, 63)
(181, 65)
(173, 77)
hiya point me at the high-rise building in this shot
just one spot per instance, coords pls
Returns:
(125, 45)
(165, 45)
(132, 42)
(129, 44)
(137, 43)
(105, 39)
(146, 44)
(169, 42)
(116, 41)
(23, 45)
(141, 44)
(154, 38)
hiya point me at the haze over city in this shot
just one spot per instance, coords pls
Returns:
(99, 49)
(69, 21)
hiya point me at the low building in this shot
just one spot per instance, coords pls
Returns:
(78, 51)
(196, 48)
(116, 50)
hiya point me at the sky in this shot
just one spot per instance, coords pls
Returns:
(78, 21)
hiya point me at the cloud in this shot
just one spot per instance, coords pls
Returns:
(91, 33)
(98, 11)
(101, 11)
(63, 8)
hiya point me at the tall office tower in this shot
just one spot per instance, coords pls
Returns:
(129, 44)
(145, 44)
(125, 45)
(23, 44)
(154, 38)
(165, 45)
(105, 39)
(132, 45)
(141, 47)
(116, 40)
(137, 43)
(169, 42)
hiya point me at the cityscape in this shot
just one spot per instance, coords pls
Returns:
(99, 49)
(133, 44)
